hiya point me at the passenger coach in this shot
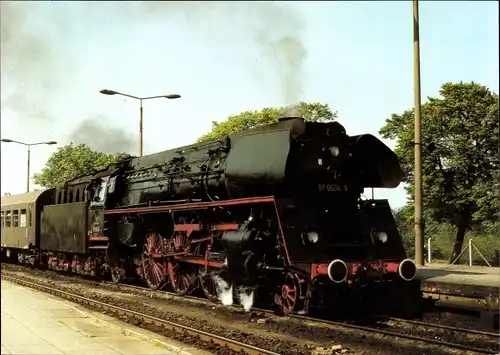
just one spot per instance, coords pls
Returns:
(20, 221)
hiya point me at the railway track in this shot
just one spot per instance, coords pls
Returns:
(398, 330)
(167, 325)
(459, 333)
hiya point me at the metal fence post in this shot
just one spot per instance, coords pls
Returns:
(470, 252)
(429, 251)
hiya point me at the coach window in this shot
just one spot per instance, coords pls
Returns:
(22, 218)
(70, 197)
(77, 195)
(7, 218)
(15, 218)
(59, 198)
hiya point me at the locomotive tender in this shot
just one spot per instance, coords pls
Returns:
(276, 209)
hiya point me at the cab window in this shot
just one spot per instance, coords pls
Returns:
(2, 218)
(15, 218)
(99, 192)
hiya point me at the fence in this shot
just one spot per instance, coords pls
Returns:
(470, 247)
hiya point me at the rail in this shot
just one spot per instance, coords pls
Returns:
(237, 346)
(168, 325)
(417, 338)
(367, 329)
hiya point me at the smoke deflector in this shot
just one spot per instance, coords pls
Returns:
(379, 165)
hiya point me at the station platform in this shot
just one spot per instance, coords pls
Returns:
(460, 274)
(462, 286)
(37, 323)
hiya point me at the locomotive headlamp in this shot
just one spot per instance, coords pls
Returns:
(313, 237)
(334, 151)
(382, 236)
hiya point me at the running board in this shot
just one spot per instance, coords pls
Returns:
(98, 247)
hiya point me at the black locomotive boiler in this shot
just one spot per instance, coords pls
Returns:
(277, 210)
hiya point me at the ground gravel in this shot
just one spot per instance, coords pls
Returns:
(284, 335)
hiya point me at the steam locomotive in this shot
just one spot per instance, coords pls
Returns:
(276, 211)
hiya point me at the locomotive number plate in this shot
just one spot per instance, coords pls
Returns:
(332, 188)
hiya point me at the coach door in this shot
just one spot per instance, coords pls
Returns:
(97, 230)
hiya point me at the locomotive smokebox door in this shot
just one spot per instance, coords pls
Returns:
(97, 193)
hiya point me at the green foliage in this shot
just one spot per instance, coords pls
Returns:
(460, 166)
(442, 235)
(71, 161)
(252, 119)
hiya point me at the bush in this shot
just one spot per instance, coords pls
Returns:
(442, 235)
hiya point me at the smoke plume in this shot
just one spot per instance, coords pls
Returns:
(33, 66)
(101, 138)
(274, 27)
(40, 65)
(292, 111)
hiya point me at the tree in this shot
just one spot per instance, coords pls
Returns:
(251, 119)
(460, 166)
(71, 161)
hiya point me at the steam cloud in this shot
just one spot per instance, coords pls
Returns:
(38, 71)
(225, 292)
(246, 299)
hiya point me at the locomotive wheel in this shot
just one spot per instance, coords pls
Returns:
(288, 298)
(180, 279)
(208, 286)
(152, 261)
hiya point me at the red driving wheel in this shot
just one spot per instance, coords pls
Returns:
(152, 261)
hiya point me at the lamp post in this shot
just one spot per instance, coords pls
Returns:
(29, 145)
(112, 92)
(419, 232)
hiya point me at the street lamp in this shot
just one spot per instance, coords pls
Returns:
(419, 231)
(29, 145)
(169, 96)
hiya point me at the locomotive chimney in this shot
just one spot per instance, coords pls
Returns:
(288, 118)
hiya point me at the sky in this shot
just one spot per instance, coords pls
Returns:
(222, 58)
